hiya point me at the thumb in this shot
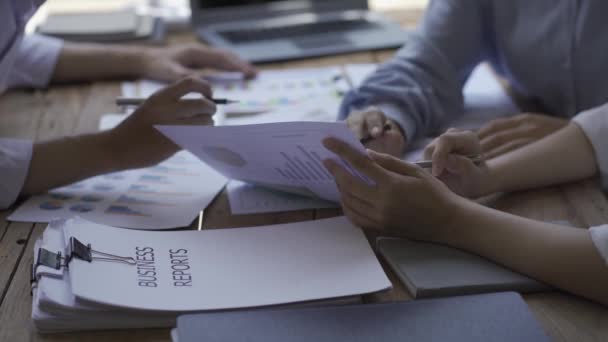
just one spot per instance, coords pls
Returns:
(458, 165)
(395, 165)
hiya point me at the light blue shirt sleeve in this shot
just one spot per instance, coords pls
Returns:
(24, 62)
(421, 87)
(36, 58)
(15, 157)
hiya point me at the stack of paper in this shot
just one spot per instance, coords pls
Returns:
(105, 26)
(121, 278)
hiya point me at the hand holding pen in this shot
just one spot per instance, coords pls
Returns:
(377, 132)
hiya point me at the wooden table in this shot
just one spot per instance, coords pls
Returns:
(66, 110)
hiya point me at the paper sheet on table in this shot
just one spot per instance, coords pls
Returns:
(285, 156)
(168, 195)
(247, 198)
(310, 94)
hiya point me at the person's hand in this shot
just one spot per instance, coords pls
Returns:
(448, 153)
(503, 135)
(139, 144)
(404, 199)
(369, 126)
(174, 63)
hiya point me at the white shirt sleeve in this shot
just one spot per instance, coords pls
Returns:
(594, 123)
(35, 62)
(599, 235)
(15, 158)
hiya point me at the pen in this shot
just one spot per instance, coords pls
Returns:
(367, 139)
(138, 101)
(427, 164)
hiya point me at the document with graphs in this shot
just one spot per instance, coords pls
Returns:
(284, 156)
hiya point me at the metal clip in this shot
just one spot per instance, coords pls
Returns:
(85, 252)
(48, 259)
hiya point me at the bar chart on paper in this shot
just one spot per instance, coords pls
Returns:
(168, 195)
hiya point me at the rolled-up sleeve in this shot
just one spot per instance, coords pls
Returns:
(35, 62)
(15, 158)
(594, 123)
(421, 87)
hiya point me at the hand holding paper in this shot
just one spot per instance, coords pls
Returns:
(284, 156)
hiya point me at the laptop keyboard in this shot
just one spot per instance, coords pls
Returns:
(294, 31)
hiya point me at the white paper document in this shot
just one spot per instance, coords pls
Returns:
(308, 94)
(214, 269)
(247, 198)
(168, 195)
(284, 156)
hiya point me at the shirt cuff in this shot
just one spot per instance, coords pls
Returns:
(407, 123)
(36, 60)
(594, 124)
(15, 158)
(599, 235)
(352, 102)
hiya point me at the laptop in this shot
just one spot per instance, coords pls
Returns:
(276, 30)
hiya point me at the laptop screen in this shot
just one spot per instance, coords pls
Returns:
(229, 3)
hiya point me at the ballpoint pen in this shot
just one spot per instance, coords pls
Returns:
(137, 101)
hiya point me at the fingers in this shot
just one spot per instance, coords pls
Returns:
(219, 59)
(201, 120)
(508, 147)
(374, 121)
(356, 123)
(357, 217)
(452, 142)
(494, 141)
(349, 183)
(188, 108)
(395, 165)
(459, 165)
(361, 162)
(498, 125)
(182, 87)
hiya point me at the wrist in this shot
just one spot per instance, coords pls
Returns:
(133, 61)
(459, 212)
(489, 182)
(112, 148)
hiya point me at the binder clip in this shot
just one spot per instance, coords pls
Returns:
(85, 252)
(48, 259)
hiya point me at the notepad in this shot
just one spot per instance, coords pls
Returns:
(494, 317)
(433, 270)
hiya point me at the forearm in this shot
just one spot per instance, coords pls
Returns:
(561, 256)
(86, 62)
(67, 160)
(561, 157)
(421, 87)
